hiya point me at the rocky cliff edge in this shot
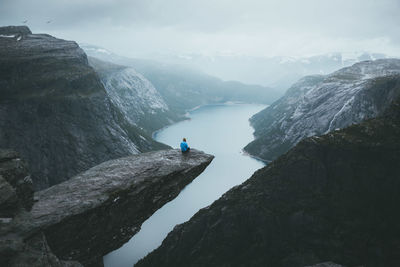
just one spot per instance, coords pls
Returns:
(96, 211)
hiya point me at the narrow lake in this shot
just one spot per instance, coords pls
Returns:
(221, 130)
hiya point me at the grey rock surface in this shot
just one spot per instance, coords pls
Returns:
(37, 253)
(55, 111)
(8, 198)
(15, 30)
(134, 95)
(99, 210)
(16, 188)
(16, 197)
(319, 104)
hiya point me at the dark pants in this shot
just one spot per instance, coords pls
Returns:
(187, 150)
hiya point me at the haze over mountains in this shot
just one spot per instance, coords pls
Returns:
(185, 87)
(278, 72)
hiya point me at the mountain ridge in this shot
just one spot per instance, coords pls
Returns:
(319, 104)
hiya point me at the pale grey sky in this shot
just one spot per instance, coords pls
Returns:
(245, 27)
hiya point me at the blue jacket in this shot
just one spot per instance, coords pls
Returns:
(184, 146)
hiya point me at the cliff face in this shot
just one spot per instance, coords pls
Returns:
(134, 95)
(319, 104)
(55, 111)
(330, 198)
(97, 211)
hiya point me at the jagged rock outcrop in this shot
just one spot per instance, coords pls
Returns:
(319, 104)
(16, 188)
(134, 95)
(55, 111)
(97, 211)
(330, 198)
(16, 194)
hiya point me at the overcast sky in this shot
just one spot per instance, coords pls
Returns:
(246, 27)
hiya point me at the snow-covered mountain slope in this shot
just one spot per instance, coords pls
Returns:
(134, 95)
(319, 104)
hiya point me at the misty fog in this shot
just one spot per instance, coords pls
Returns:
(233, 40)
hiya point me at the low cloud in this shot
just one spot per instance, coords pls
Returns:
(265, 28)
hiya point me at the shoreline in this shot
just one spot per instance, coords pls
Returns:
(188, 111)
(255, 157)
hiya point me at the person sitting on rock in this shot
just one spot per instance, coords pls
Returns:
(184, 146)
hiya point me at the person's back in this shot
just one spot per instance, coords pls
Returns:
(184, 146)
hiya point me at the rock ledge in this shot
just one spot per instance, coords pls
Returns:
(99, 210)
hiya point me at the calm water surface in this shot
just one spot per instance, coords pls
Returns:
(221, 130)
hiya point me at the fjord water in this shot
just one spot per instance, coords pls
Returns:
(221, 130)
